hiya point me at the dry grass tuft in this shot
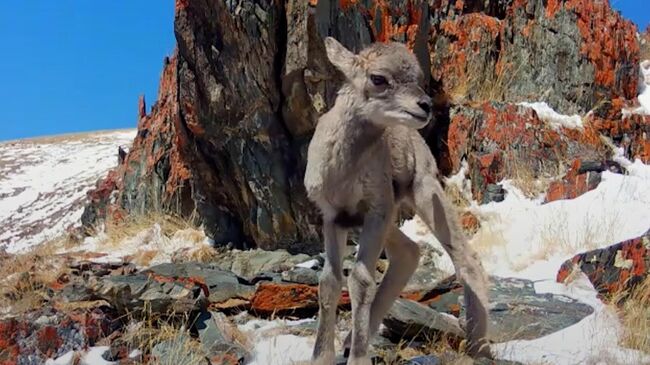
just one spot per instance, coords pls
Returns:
(472, 88)
(533, 178)
(634, 312)
(440, 346)
(26, 278)
(152, 332)
(118, 231)
(148, 332)
(645, 45)
(456, 197)
(204, 254)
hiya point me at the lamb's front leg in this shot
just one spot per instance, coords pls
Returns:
(362, 286)
(330, 284)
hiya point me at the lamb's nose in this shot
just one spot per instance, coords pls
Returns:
(425, 105)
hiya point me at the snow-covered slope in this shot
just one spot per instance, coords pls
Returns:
(43, 183)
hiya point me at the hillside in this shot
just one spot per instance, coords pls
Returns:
(44, 182)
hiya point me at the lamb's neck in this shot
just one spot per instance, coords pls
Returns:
(358, 134)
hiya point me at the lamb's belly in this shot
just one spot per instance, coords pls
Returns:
(345, 195)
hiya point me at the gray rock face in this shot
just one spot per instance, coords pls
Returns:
(301, 275)
(248, 264)
(138, 293)
(516, 311)
(216, 337)
(220, 284)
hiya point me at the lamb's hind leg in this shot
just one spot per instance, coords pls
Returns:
(404, 256)
(361, 284)
(432, 206)
(330, 284)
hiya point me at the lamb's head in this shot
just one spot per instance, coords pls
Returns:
(388, 77)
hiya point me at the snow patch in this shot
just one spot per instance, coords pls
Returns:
(594, 340)
(525, 238)
(274, 346)
(310, 264)
(644, 92)
(147, 248)
(93, 356)
(553, 118)
(461, 182)
(418, 231)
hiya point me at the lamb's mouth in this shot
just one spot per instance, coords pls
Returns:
(417, 116)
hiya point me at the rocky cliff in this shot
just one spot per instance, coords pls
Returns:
(226, 141)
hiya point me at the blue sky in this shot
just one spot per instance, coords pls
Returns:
(70, 66)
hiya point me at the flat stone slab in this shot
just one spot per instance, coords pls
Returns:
(411, 320)
(517, 312)
(221, 285)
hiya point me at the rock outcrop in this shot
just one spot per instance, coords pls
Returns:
(612, 269)
(226, 140)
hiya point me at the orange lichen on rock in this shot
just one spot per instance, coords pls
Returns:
(48, 340)
(459, 5)
(572, 185)
(278, 298)
(9, 349)
(382, 12)
(344, 4)
(469, 222)
(271, 297)
(471, 33)
(187, 282)
(552, 7)
(181, 5)
(607, 40)
(613, 268)
(632, 130)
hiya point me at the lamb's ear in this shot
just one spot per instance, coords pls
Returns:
(341, 57)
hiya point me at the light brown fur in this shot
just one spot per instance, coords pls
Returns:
(364, 150)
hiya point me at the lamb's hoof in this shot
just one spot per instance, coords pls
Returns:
(360, 361)
(325, 359)
(479, 350)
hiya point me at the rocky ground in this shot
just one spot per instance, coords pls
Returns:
(174, 299)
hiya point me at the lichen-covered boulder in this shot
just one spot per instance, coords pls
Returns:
(614, 268)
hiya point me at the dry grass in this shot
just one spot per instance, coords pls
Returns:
(27, 277)
(634, 312)
(457, 197)
(440, 346)
(147, 329)
(118, 231)
(533, 178)
(473, 89)
(203, 254)
(150, 332)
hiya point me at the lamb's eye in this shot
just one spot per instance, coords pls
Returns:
(378, 80)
